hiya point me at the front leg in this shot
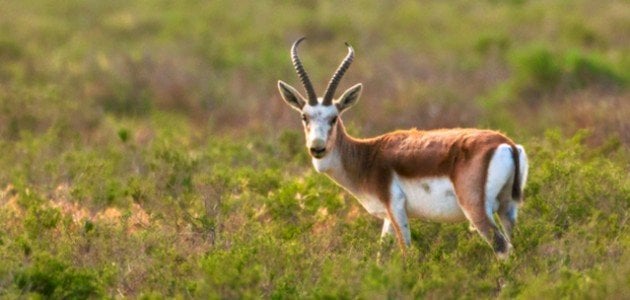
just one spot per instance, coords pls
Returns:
(387, 229)
(397, 215)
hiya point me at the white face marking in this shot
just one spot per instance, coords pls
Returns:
(319, 121)
(432, 199)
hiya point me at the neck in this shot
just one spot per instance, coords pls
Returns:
(345, 162)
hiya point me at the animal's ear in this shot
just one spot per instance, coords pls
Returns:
(349, 97)
(291, 96)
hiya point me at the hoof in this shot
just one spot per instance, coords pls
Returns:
(503, 256)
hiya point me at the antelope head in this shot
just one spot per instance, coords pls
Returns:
(320, 115)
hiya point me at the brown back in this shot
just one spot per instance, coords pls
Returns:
(417, 154)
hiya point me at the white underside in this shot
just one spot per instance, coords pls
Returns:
(430, 199)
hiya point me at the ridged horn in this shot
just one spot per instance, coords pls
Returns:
(334, 81)
(306, 82)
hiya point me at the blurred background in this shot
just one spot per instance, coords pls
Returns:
(145, 150)
(517, 66)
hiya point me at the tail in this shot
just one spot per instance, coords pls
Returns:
(517, 191)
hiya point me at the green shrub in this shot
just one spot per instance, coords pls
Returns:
(51, 278)
(492, 42)
(173, 169)
(536, 69)
(591, 69)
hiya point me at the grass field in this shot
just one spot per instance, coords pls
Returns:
(146, 153)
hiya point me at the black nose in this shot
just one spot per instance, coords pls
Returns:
(317, 152)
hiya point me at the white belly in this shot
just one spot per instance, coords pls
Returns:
(431, 199)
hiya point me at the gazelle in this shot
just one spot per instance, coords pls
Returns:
(444, 175)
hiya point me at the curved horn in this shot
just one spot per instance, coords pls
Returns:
(310, 91)
(334, 81)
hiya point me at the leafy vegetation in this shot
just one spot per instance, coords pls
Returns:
(146, 153)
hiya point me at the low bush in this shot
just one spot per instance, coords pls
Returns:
(540, 71)
(51, 278)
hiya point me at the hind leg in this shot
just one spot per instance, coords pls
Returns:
(480, 214)
(491, 234)
(507, 214)
(478, 194)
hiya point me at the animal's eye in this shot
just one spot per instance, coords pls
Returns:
(333, 120)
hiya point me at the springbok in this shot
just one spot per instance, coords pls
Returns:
(444, 175)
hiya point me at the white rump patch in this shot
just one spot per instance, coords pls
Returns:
(500, 178)
(524, 165)
(431, 199)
